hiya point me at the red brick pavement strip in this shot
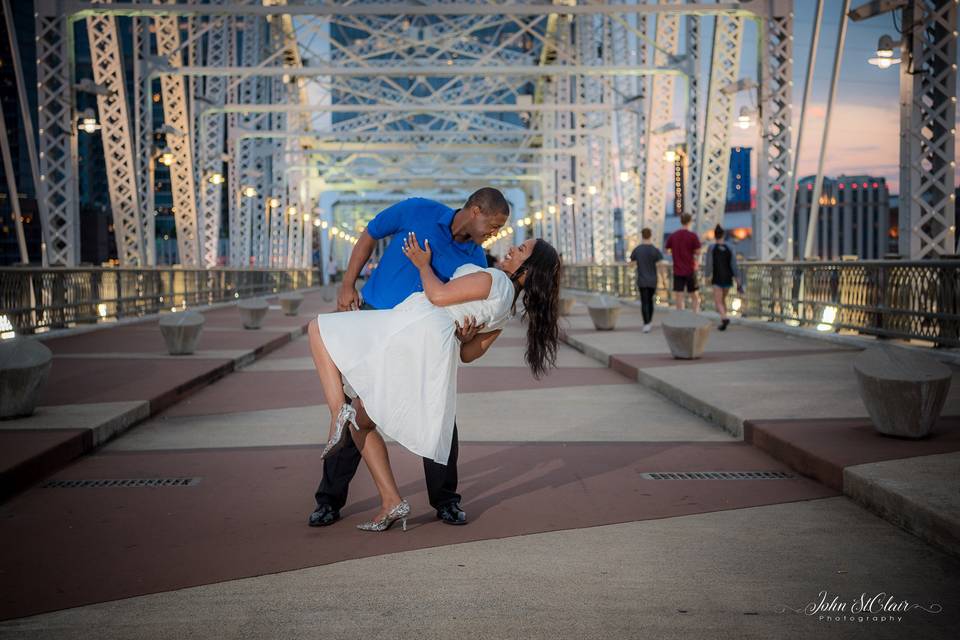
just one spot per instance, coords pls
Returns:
(259, 390)
(629, 363)
(63, 548)
(27, 455)
(821, 449)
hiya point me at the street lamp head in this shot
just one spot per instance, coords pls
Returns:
(670, 155)
(166, 158)
(884, 58)
(216, 178)
(249, 192)
(88, 121)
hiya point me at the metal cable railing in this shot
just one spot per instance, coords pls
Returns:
(885, 298)
(33, 300)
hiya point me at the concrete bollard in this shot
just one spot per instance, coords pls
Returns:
(903, 391)
(252, 312)
(686, 334)
(24, 367)
(290, 302)
(604, 311)
(329, 293)
(181, 331)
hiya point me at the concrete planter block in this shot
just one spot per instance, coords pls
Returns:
(903, 391)
(604, 311)
(252, 312)
(290, 302)
(686, 334)
(24, 366)
(329, 293)
(181, 332)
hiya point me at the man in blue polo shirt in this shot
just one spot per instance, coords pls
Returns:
(455, 237)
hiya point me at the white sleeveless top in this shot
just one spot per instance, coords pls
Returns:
(494, 310)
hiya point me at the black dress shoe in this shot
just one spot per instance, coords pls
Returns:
(452, 514)
(323, 516)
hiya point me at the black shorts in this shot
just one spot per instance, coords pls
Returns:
(685, 283)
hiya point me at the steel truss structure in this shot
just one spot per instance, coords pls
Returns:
(928, 110)
(275, 112)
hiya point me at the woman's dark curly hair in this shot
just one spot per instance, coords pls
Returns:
(541, 305)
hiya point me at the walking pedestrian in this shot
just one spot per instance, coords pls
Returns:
(646, 256)
(721, 271)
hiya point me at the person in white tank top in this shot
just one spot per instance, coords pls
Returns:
(413, 347)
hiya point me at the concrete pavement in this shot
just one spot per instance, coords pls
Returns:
(568, 536)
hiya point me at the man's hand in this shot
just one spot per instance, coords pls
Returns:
(468, 330)
(348, 298)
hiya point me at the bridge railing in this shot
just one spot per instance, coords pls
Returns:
(885, 298)
(33, 300)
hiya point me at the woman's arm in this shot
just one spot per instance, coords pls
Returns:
(475, 286)
(470, 351)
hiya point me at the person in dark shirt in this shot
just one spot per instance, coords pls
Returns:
(684, 245)
(721, 271)
(646, 256)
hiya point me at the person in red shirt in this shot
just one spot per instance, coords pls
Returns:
(684, 245)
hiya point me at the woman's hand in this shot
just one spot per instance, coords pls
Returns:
(411, 249)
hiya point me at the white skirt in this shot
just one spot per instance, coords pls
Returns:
(402, 362)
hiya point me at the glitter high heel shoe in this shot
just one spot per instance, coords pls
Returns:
(347, 415)
(400, 512)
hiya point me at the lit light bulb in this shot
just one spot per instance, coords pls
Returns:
(216, 178)
(249, 192)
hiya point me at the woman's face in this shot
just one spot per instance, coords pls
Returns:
(517, 255)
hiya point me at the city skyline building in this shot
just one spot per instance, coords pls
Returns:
(854, 219)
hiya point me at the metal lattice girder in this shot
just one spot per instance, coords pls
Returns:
(661, 112)
(58, 142)
(774, 190)
(177, 120)
(724, 69)
(928, 108)
(211, 134)
(244, 164)
(143, 134)
(387, 9)
(565, 175)
(693, 149)
(118, 149)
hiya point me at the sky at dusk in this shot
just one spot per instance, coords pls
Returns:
(865, 128)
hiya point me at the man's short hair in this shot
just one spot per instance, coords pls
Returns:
(646, 233)
(490, 201)
(685, 218)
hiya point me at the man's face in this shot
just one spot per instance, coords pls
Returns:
(483, 226)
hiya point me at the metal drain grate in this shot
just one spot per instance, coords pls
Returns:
(718, 475)
(122, 483)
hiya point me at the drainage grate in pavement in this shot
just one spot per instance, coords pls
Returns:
(122, 483)
(718, 475)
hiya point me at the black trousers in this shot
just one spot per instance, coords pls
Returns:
(339, 469)
(646, 303)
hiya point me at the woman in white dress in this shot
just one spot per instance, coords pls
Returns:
(402, 362)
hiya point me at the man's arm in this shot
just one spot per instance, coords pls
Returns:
(349, 297)
(470, 351)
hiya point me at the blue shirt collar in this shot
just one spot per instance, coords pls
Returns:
(446, 220)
